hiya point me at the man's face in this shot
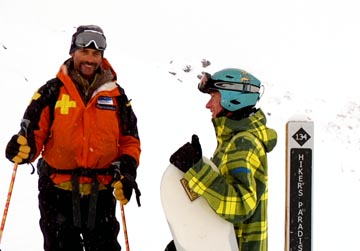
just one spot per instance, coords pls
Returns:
(86, 61)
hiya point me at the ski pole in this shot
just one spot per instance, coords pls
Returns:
(23, 131)
(8, 200)
(124, 226)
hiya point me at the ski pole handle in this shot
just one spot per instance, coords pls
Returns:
(24, 125)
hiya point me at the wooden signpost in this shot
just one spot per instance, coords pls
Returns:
(299, 184)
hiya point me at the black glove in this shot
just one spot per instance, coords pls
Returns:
(125, 175)
(187, 155)
(21, 147)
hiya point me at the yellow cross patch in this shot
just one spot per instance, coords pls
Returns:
(65, 103)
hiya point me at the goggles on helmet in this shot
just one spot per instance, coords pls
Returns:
(207, 83)
(85, 38)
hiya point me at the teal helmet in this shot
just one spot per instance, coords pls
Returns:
(237, 87)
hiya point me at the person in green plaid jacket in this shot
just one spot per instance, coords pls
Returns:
(239, 192)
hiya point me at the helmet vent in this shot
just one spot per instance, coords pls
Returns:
(235, 102)
(229, 76)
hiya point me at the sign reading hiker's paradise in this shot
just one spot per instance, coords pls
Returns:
(299, 170)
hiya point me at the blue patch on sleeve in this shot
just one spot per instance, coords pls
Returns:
(240, 170)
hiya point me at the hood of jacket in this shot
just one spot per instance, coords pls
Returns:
(226, 128)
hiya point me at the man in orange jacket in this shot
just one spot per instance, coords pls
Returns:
(83, 126)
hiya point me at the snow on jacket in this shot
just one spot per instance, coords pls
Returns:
(70, 133)
(239, 193)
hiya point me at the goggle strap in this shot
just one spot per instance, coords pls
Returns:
(97, 32)
(206, 83)
(243, 87)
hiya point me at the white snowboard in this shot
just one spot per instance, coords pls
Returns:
(192, 222)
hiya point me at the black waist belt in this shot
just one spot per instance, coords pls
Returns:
(44, 169)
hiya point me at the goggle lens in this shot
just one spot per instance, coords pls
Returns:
(205, 82)
(85, 38)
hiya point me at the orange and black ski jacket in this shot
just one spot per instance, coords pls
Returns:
(70, 134)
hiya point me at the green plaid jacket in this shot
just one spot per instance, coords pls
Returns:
(239, 192)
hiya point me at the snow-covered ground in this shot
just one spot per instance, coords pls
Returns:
(306, 54)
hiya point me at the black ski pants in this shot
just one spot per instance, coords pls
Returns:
(57, 224)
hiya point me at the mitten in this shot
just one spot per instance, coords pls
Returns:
(21, 147)
(187, 155)
(125, 175)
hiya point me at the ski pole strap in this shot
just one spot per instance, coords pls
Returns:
(137, 192)
(134, 186)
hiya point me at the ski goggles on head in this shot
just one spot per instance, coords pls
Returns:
(85, 38)
(207, 83)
